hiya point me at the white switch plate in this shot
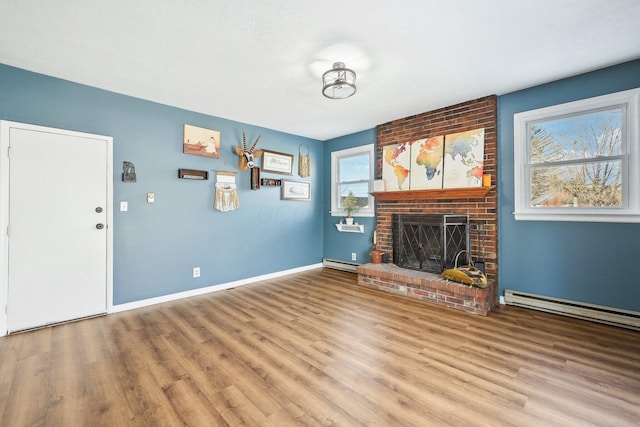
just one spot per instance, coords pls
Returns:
(124, 206)
(196, 271)
(151, 198)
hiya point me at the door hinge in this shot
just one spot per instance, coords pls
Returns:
(9, 151)
(8, 231)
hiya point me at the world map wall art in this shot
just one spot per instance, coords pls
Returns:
(452, 161)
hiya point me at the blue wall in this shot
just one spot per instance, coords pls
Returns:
(157, 245)
(589, 262)
(339, 245)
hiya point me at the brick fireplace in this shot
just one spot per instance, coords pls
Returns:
(480, 205)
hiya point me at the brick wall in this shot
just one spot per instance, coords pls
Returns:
(478, 113)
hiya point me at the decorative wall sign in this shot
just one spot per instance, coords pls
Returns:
(273, 161)
(192, 174)
(464, 159)
(270, 182)
(226, 197)
(296, 190)
(201, 142)
(427, 157)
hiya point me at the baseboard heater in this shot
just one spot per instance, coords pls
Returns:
(339, 265)
(597, 313)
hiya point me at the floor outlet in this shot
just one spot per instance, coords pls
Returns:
(353, 256)
(196, 271)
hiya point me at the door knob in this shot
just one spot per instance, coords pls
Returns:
(99, 209)
(99, 226)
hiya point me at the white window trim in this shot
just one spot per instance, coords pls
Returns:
(335, 156)
(630, 100)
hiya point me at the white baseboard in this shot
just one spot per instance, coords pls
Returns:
(200, 291)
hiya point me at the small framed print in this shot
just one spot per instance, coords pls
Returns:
(273, 161)
(296, 190)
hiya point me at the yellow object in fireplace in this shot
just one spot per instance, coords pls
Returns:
(467, 274)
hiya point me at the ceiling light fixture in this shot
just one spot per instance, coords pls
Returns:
(339, 82)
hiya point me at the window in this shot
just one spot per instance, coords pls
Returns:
(352, 171)
(579, 161)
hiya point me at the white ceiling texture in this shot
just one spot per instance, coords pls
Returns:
(261, 62)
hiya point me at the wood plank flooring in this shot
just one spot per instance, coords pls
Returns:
(315, 349)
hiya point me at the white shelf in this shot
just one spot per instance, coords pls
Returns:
(355, 228)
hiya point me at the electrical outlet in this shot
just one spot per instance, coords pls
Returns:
(196, 271)
(353, 256)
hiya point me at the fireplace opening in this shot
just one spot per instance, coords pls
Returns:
(429, 242)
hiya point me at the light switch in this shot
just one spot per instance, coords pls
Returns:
(151, 198)
(124, 206)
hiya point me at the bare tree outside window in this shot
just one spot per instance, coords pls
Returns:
(577, 161)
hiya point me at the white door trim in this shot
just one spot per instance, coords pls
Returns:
(5, 126)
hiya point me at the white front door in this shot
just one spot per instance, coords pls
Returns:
(57, 218)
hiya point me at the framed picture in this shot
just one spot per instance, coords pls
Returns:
(427, 158)
(396, 165)
(463, 159)
(201, 142)
(296, 190)
(273, 161)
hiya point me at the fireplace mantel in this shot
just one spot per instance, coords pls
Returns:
(439, 194)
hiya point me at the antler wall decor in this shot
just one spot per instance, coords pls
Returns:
(246, 155)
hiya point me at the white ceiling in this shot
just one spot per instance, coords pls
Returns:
(260, 62)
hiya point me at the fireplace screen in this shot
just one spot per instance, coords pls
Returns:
(428, 242)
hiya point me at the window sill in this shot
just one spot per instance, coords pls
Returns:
(569, 217)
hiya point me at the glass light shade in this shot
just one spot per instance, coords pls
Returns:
(339, 82)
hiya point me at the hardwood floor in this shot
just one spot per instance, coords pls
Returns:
(316, 349)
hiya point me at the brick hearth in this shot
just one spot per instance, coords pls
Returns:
(427, 287)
